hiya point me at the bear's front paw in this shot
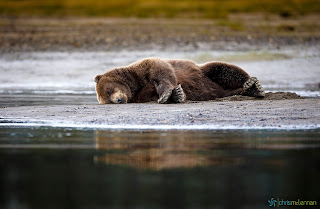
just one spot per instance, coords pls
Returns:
(259, 89)
(165, 96)
(253, 87)
(178, 94)
(249, 83)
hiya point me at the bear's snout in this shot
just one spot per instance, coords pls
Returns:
(119, 97)
(120, 101)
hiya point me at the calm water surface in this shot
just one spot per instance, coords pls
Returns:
(70, 168)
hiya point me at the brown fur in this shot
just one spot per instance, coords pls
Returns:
(148, 79)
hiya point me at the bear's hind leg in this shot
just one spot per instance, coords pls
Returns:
(226, 75)
(253, 87)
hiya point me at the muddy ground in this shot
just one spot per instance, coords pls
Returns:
(258, 113)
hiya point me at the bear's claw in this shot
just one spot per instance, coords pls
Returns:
(253, 87)
(178, 94)
(165, 96)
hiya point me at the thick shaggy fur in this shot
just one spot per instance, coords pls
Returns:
(157, 79)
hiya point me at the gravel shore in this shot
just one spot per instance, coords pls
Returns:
(246, 114)
(238, 32)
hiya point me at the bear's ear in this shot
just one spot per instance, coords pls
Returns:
(97, 78)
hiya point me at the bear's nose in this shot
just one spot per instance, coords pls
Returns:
(119, 101)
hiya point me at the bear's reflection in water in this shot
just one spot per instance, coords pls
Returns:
(159, 150)
(163, 150)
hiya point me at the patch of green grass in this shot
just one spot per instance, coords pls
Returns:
(156, 8)
(237, 26)
(253, 56)
(286, 28)
(240, 57)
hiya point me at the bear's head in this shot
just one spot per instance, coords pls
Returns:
(111, 90)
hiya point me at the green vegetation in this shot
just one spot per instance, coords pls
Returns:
(240, 57)
(156, 8)
(237, 26)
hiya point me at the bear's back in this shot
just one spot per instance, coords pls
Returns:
(185, 65)
(194, 82)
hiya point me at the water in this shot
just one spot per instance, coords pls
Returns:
(42, 78)
(89, 168)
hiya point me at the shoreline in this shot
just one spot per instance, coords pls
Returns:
(291, 114)
(43, 124)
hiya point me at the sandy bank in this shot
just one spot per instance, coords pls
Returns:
(256, 114)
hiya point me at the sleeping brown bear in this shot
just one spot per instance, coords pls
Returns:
(174, 81)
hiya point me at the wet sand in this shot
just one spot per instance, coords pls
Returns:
(226, 114)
